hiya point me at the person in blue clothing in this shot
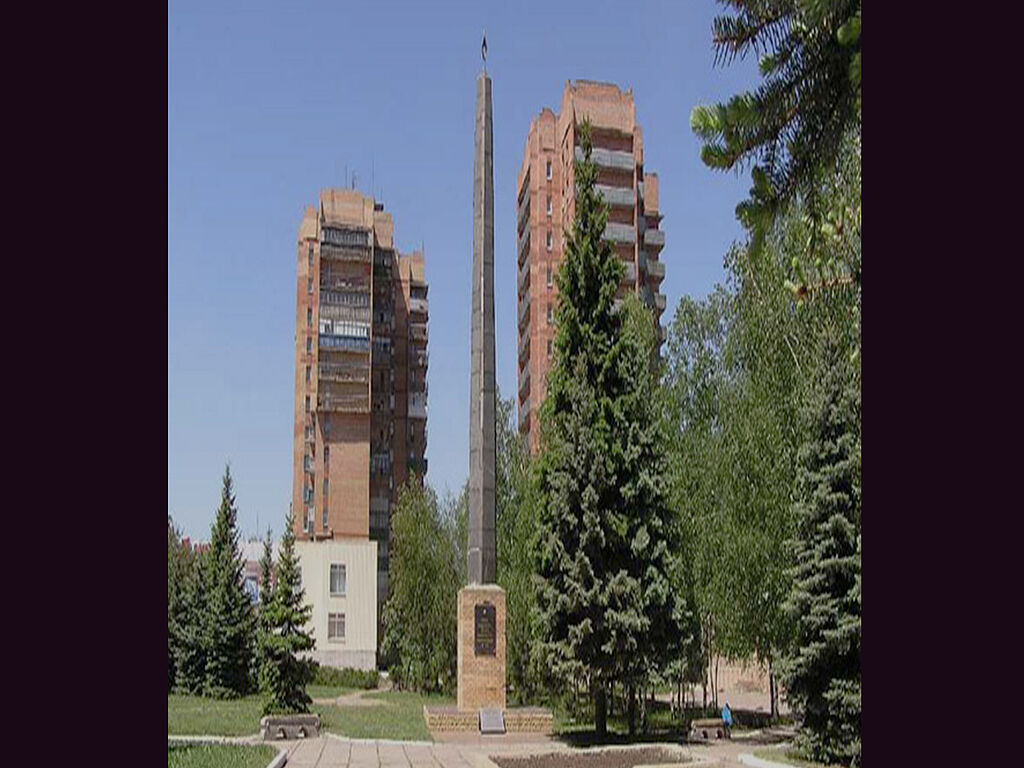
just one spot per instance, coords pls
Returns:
(727, 715)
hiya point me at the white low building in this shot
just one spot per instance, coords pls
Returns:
(339, 577)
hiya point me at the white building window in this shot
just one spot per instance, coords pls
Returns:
(339, 582)
(336, 626)
(550, 281)
(549, 205)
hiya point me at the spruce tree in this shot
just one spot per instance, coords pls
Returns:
(266, 595)
(285, 675)
(176, 564)
(822, 676)
(603, 600)
(190, 648)
(228, 625)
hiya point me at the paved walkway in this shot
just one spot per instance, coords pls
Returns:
(330, 751)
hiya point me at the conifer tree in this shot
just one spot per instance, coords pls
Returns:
(603, 599)
(285, 674)
(190, 649)
(822, 675)
(266, 595)
(228, 621)
(176, 564)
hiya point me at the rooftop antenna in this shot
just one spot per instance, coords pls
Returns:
(353, 179)
(346, 174)
(483, 51)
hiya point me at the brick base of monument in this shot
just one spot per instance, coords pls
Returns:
(517, 720)
(481, 648)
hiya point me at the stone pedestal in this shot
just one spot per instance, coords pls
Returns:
(481, 647)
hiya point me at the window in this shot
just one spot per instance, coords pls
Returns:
(327, 455)
(309, 285)
(309, 317)
(325, 517)
(549, 205)
(549, 347)
(326, 481)
(307, 403)
(311, 254)
(549, 241)
(549, 277)
(309, 344)
(548, 172)
(307, 374)
(339, 583)
(549, 314)
(336, 626)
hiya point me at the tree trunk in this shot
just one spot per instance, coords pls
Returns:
(631, 708)
(600, 711)
(773, 691)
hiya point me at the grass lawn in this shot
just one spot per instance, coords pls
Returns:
(196, 716)
(789, 756)
(328, 691)
(401, 717)
(218, 756)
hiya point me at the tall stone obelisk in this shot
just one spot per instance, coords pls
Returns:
(481, 612)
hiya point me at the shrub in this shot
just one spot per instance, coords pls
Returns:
(348, 678)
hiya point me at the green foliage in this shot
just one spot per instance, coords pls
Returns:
(285, 674)
(423, 582)
(365, 679)
(605, 540)
(227, 622)
(189, 640)
(822, 673)
(262, 626)
(177, 569)
(516, 525)
(791, 128)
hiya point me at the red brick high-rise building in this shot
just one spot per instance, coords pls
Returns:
(360, 373)
(545, 206)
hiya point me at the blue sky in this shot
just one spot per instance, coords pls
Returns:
(270, 102)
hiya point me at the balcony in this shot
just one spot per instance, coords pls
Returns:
(418, 332)
(307, 465)
(418, 305)
(343, 403)
(524, 381)
(629, 275)
(659, 301)
(618, 196)
(337, 311)
(417, 465)
(524, 415)
(524, 210)
(382, 258)
(421, 359)
(524, 276)
(346, 343)
(654, 238)
(380, 464)
(380, 504)
(417, 406)
(357, 254)
(348, 373)
(523, 246)
(311, 437)
(524, 309)
(524, 346)
(345, 237)
(347, 289)
(656, 269)
(609, 158)
(620, 233)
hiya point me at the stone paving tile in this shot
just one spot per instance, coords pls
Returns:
(336, 753)
(306, 752)
(363, 755)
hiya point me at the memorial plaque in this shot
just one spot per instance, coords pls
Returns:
(484, 630)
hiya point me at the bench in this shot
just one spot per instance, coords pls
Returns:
(275, 727)
(710, 728)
